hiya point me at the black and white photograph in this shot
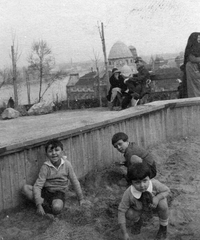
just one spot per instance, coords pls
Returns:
(99, 120)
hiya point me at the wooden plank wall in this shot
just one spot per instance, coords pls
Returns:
(91, 148)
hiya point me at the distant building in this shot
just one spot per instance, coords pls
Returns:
(86, 87)
(73, 79)
(159, 62)
(121, 55)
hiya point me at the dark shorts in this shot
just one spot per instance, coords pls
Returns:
(50, 196)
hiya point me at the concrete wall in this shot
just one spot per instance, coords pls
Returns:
(89, 147)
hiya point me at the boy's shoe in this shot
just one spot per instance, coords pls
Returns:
(136, 229)
(162, 233)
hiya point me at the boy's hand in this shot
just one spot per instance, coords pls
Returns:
(155, 202)
(40, 210)
(126, 236)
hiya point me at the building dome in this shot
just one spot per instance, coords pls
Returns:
(119, 50)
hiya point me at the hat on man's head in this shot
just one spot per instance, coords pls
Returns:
(115, 70)
(138, 59)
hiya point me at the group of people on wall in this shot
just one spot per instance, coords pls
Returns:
(126, 88)
(129, 89)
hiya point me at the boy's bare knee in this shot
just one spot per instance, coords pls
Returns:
(135, 159)
(27, 190)
(133, 215)
(57, 206)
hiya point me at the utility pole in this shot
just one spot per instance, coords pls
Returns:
(101, 32)
(14, 75)
(99, 87)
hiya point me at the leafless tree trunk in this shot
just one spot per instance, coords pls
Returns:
(14, 71)
(41, 75)
(14, 75)
(28, 87)
(15, 55)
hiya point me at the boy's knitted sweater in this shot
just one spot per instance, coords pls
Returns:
(134, 149)
(56, 179)
(131, 197)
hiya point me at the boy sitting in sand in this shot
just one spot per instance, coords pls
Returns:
(133, 153)
(53, 181)
(143, 193)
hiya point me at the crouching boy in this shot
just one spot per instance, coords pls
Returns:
(133, 202)
(48, 192)
(133, 153)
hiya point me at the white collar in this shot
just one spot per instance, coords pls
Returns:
(51, 165)
(137, 194)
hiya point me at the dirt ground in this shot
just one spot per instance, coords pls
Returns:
(178, 164)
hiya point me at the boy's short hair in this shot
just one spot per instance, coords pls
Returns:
(55, 143)
(138, 171)
(119, 136)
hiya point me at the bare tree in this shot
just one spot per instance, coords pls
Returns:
(42, 61)
(15, 55)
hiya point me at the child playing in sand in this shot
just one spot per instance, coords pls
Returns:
(53, 181)
(133, 201)
(133, 153)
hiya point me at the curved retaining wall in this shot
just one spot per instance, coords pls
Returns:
(89, 148)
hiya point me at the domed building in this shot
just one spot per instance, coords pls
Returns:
(121, 55)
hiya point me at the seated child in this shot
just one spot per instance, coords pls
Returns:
(53, 181)
(133, 153)
(131, 206)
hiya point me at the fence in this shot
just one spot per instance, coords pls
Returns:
(89, 148)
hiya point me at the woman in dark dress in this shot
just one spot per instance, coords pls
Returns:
(191, 79)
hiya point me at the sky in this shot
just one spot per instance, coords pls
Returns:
(70, 28)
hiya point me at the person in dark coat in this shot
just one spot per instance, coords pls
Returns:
(191, 79)
(138, 84)
(117, 88)
(11, 103)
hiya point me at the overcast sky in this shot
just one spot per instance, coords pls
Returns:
(70, 26)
